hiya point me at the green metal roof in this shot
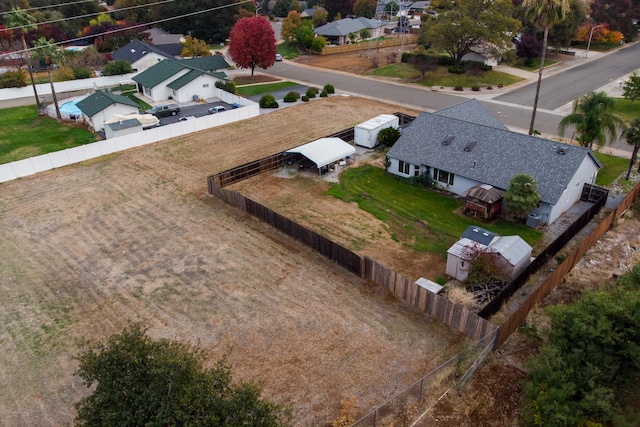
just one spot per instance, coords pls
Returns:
(207, 63)
(191, 76)
(160, 72)
(99, 100)
(167, 68)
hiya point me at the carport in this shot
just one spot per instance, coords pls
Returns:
(325, 152)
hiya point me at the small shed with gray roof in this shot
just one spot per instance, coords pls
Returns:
(464, 146)
(100, 105)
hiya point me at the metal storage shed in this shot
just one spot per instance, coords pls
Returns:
(325, 151)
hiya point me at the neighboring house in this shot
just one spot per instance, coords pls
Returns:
(514, 254)
(182, 80)
(464, 145)
(167, 42)
(337, 32)
(419, 7)
(486, 53)
(100, 105)
(140, 55)
(308, 13)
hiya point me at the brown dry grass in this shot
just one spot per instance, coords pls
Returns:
(134, 236)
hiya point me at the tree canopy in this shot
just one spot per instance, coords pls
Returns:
(366, 8)
(142, 381)
(522, 194)
(471, 24)
(631, 88)
(632, 135)
(192, 47)
(252, 43)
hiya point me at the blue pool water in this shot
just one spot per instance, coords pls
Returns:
(71, 108)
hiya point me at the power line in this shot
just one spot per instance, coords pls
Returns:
(91, 14)
(142, 25)
(52, 5)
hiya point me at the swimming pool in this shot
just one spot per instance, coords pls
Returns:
(70, 108)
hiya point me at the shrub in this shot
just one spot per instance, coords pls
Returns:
(458, 88)
(13, 78)
(490, 87)
(388, 136)
(227, 86)
(311, 92)
(115, 68)
(82, 73)
(475, 88)
(305, 98)
(422, 181)
(454, 70)
(323, 94)
(268, 101)
(291, 97)
(329, 89)
(63, 74)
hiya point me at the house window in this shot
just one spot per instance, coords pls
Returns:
(403, 167)
(416, 170)
(443, 176)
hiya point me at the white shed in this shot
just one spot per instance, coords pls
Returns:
(366, 134)
(325, 151)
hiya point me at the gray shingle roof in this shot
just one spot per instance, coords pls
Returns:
(347, 26)
(135, 49)
(497, 156)
(99, 100)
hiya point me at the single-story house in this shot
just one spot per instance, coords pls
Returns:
(485, 53)
(100, 105)
(140, 55)
(325, 152)
(337, 32)
(514, 254)
(167, 42)
(308, 13)
(464, 145)
(182, 80)
(419, 7)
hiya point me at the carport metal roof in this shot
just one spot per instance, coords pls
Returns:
(325, 151)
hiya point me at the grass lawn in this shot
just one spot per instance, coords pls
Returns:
(424, 219)
(441, 77)
(626, 109)
(257, 89)
(24, 134)
(288, 50)
(132, 96)
(612, 168)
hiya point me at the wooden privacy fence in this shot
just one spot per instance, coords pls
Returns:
(374, 44)
(520, 315)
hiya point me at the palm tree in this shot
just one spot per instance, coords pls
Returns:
(18, 18)
(632, 135)
(48, 52)
(592, 114)
(544, 14)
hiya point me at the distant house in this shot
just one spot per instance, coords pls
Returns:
(419, 7)
(308, 13)
(486, 53)
(337, 32)
(100, 105)
(167, 42)
(514, 254)
(464, 146)
(140, 55)
(182, 80)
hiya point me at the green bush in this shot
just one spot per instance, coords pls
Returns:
(444, 60)
(63, 74)
(228, 86)
(458, 88)
(475, 88)
(329, 89)
(116, 68)
(388, 136)
(13, 78)
(311, 92)
(323, 94)
(291, 96)
(454, 70)
(305, 98)
(82, 73)
(268, 101)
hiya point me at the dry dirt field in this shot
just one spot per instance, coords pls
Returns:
(134, 236)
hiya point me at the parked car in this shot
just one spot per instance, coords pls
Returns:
(185, 118)
(278, 57)
(217, 109)
(164, 110)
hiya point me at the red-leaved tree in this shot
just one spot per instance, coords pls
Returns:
(252, 43)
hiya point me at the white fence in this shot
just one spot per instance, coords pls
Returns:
(33, 165)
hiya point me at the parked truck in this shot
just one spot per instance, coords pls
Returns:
(366, 134)
(164, 110)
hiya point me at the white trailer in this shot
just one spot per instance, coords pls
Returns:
(366, 134)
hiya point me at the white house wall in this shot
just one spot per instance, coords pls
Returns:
(147, 61)
(456, 267)
(97, 121)
(586, 174)
(161, 92)
(204, 87)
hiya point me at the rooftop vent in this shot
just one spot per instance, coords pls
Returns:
(448, 139)
(470, 146)
(562, 150)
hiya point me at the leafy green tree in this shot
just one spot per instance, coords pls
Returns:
(19, 18)
(192, 47)
(282, 8)
(364, 34)
(116, 68)
(319, 17)
(365, 8)
(562, 33)
(141, 381)
(252, 43)
(619, 14)
(544, 14)
(424, 64)
(593, 117)
(134, 10)
(631, 88)
(632, 135)
(50, 54)
(213, 25)
(388, 136)
(470, 24)
(289, 26)
(591, 360)
(307, 38)
(522, 194)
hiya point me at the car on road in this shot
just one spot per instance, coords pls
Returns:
(217, 109)
(185, 118)
(278, 57)
(164, 110)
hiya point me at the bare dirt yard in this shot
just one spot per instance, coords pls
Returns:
(134, 236)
